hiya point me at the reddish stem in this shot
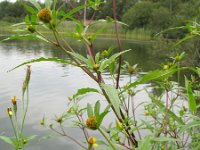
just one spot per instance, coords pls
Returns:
(118, 42)
(166, 115)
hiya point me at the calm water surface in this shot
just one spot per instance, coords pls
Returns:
(52, 83)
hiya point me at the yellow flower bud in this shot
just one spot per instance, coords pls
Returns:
(14, 100)
(119, 124)
(45, 15)
(92, 140)
(96, 66)
(165, 67)
(91, 123)
(10, 113)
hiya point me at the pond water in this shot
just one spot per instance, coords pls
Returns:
(52, 83)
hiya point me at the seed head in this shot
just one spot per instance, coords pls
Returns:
(45, 15)
(91, 123)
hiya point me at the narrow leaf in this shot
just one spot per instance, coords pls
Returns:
(26, 36)
(190, 96)
(89, 110)
(113, 97)
(7, 140)
(84, 91)
(145, 144)
(53, 59)
(34, 2)
(97, 108)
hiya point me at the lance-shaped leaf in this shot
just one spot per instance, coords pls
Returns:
(113, 96)
(84, 91)
(26, 36)
(41, 59)
(190, 96)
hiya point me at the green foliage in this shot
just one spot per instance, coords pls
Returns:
(139, 16)
(191, 99)
(166, 120)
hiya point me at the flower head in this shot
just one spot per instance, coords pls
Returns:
(91, 122)
(92, 140)
(45, 15)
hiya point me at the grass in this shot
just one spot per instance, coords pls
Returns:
(68, 27)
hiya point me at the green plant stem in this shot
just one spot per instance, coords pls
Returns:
(110, 143)
(14, 129)
(24, 115)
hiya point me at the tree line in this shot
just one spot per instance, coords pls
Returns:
(154, 15)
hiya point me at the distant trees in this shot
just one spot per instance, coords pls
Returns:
(12, 12)
(157, 15)
(153, 15)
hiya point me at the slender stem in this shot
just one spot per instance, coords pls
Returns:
(166, 116)
(118, 42)
(85, 13)
(14, 129)
(110, 143)
(24, 115)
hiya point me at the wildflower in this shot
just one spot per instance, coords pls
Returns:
(96, 66)
(92, 140)
(14, 100)
(45, 15)
(91, 123)
(10, 113)
(165, 67)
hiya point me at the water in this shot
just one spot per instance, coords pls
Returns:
(52, 83)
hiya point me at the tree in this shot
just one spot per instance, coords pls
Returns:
(139, 16)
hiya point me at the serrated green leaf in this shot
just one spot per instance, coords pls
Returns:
(113, 97)
(190, 96)
(89, 110)
(41, 59)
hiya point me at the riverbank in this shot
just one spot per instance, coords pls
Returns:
(68, 27)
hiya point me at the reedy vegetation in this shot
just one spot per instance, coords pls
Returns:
(169, 125)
